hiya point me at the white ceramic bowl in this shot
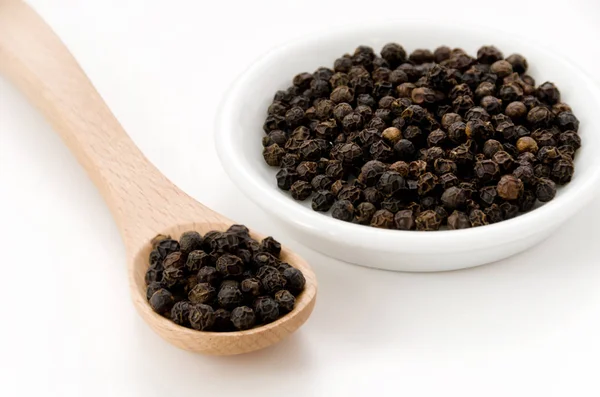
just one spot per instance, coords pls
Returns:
(239, 132)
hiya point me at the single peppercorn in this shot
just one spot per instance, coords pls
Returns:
(364, 213)
(404, 220)
(251, 287)
(190, 241)
(510, 187)
(504, 160)
(230, 265)
(390, 183)
(322, 201)
(570, 138)
(230, 297)
(562, 171)
(501, 68)
(458, 220)
(152, 287)
(180, 313)
(162, 301)
(491, 104)
(548, 93)
(202, 293)
(266, 309)
(478, 218)
(243, 318)
(486, 170)
(428, 220)
(545, 189)
(548, 154)
(300, 190)
(527, 144)
(343, 210)
(201, 317)
(540, 116)
(208, 274)
(270, 245)
(321, 182)
(567, 121)
(273, 155)
(518, 62)
(373, 196)
(454, 197)
(273, 282)
(525, 173)
(382, 219)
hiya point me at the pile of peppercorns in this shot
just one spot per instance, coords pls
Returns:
(224, 281)
(421, 141)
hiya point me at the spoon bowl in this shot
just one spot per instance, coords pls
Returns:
(221, 343)
(144, 202)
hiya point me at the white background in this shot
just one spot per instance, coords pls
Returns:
(527, 326)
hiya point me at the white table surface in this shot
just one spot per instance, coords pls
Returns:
(528, 326)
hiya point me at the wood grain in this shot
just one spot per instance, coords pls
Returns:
(142, 200)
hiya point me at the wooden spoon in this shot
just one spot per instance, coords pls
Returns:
(143, 201)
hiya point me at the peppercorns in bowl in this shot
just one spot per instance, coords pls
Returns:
(429, 148)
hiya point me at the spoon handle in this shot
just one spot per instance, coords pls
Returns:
(142, 200)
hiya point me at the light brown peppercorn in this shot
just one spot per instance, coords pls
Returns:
(510, 187)
(392, 135)
(527, 144)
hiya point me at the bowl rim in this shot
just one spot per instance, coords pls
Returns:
(325, 226)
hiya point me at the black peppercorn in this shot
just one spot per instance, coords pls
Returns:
(230, 297)
(478, 218)
(323, 200)
(266, 309)
(162, 301)
(382, 219)
(364, 213)
(390, 183)
(152, 287)
(540, 116)
(373, 196)
(202, 293)
(491, 104)
(527, 201)
(486, 170)
(518, 62)
(525, 173)
(285, 300)
(545, 189)
(548, 154)
(562, 171)
(567, 121)
(570, 138)
(510, 92)
(548, 93)
(428, 220)
(454, 197)
(504, 161)
(273, 282)
(343, 210)
(301, 190)
(321, 182)
(230, 265)
(243, 318)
